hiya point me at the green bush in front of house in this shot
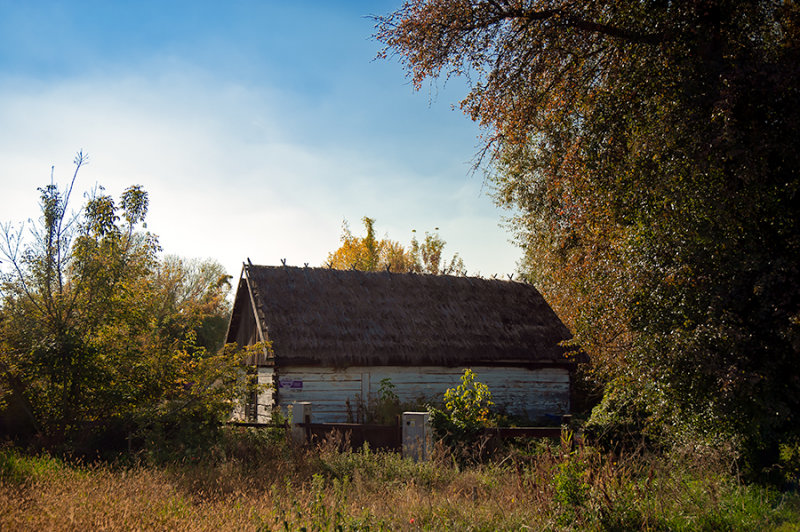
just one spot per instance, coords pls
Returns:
(466, 412)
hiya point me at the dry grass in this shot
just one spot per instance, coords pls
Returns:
(278, 488)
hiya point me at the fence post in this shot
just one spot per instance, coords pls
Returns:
(416, 436)
(300, 412)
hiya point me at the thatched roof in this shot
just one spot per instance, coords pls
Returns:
(342, 318)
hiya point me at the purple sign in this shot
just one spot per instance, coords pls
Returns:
(290, 384)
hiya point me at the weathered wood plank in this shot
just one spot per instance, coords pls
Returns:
(430, 374)
(317, 396)
(293, 385)
(318, 373)
(365, 382)
(450, 376)
(520, 391)
(265, 398)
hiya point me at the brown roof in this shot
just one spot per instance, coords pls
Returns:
(340, 318)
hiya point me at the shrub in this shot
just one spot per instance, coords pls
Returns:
(624, 419)
(18, 468)
(465, 414)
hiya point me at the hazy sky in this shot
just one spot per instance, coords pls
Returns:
(256, 127)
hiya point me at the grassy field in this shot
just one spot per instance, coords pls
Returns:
(253, 483)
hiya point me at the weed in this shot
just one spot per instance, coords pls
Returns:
(266, 484)
(18, 468)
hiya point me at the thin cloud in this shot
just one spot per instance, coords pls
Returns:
(224, 180)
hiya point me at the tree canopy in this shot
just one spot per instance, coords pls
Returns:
(649, 152)
(99, 337)
(369, 254)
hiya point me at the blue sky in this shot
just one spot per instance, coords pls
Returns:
(256, 127)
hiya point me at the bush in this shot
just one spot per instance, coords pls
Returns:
(465, 414)
(17, 468)
(624, 420)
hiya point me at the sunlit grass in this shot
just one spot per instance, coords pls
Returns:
(271, 486)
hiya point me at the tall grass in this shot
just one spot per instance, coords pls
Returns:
(259, 482)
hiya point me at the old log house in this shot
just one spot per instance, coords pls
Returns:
(337, 334)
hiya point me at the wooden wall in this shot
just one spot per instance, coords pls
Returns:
(264, 400)
(266, 395)
(246, 333)
(528, 392)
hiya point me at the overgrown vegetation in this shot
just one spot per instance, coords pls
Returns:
(105, 345)
(381, 408)
(255, 480)
(466, 411)
(648, 154)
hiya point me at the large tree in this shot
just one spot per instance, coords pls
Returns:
(99, 338)
(649, 150)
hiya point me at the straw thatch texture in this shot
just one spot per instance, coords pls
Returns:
(341, 318)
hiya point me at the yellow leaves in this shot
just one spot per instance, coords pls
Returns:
(370, 254)
(468, 404)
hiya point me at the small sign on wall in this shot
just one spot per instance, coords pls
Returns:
(290, 384)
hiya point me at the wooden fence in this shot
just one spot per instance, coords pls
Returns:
(387, 437)
(390, 437)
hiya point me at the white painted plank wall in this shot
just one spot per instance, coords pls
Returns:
(529, 392)
(264, 402)
(265, 397)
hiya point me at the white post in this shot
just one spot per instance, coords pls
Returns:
(300, 412)
(416, 436)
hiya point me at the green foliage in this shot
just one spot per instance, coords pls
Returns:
(383, 407)
(324, 488)
(623, 420)
(648, 153)
(18, 468)
(339, 462)
(468, 404)
(197, 288)
(427, 256)
(466, 412)
(188, 425)
(570, 489)
(786, 472)
(100, 340)
(387, 406)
